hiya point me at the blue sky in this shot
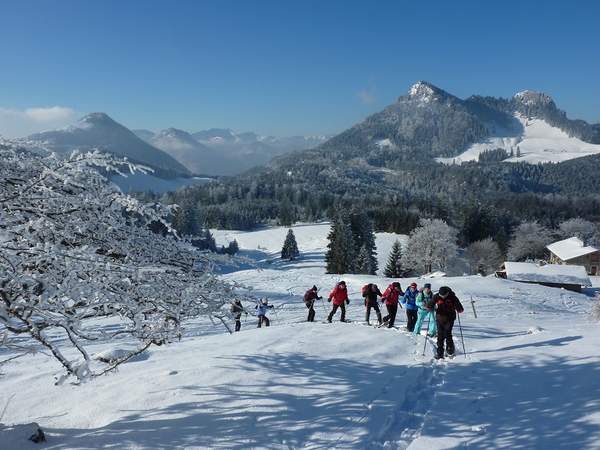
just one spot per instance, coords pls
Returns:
(283, 67)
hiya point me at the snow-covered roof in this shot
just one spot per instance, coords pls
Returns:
(548, 273)
(570, 248)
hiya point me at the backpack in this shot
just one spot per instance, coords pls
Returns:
(365, 290)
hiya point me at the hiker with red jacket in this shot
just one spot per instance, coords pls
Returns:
(390, 297)
(309, 300)
(370, 292)
(446, 307)
(339, 295)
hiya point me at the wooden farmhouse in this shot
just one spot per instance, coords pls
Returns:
(573, 251)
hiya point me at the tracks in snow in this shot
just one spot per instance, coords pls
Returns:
(405, 424)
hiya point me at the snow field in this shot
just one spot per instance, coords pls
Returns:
(539, 143)
(528, 381)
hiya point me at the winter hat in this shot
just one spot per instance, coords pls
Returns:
(396, 284)
(444, 291)
(413, 284)
(427, 285)
(343, 283)
(314, 288)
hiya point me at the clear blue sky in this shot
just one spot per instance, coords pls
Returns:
(288, 67)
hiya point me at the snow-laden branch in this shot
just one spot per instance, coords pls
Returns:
(75, 254)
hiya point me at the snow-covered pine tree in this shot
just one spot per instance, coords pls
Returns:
(290, 247)
(430, 246)
(363, 262)
(286, 212)
(340, 254)
(233, 247)
(393, 268)
(364, 237)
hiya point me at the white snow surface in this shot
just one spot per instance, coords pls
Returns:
(570, 248)
(539, 143)
(529, 379)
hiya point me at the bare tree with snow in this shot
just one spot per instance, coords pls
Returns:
(430, 246)
(484, 256)
(76, 255)
(585, 230)
(529, 241)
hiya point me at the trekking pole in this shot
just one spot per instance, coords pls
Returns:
(426, 334)
(461, 335)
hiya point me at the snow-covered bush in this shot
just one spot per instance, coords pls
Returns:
(76, 254)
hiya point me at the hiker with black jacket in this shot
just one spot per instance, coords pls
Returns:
(237, 309)
(446, 307)
(310, 297)
(370, 292)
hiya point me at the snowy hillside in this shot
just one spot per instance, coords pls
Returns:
(538, 143)
(265, 244)
(529, 380)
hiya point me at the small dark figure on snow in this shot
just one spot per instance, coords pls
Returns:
(261, 312)
(446, 307)
(310, 297)
(237, 309)
(410, 301)
(390, 298)
(339, 295)
(370, 292)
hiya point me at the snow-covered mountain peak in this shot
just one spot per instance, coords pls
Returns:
(531, 98)
(421, 89)
(173, 133)
(426, 92)
(95, 118)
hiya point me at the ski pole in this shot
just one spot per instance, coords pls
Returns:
(461, 336)
(426, 334)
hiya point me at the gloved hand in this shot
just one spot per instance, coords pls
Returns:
(347, 301)
(319, 298)
(329, 300)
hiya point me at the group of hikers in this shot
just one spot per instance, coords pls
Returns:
(437, 310)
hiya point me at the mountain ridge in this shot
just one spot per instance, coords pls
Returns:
(99, 131)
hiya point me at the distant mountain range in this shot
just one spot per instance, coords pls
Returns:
(220, 151)
(390, 164)
(426, 124)
(172, 152)
(429, 123)
(99, 131)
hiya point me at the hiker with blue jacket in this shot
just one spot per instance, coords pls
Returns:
(426, 311)
(409, 300)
